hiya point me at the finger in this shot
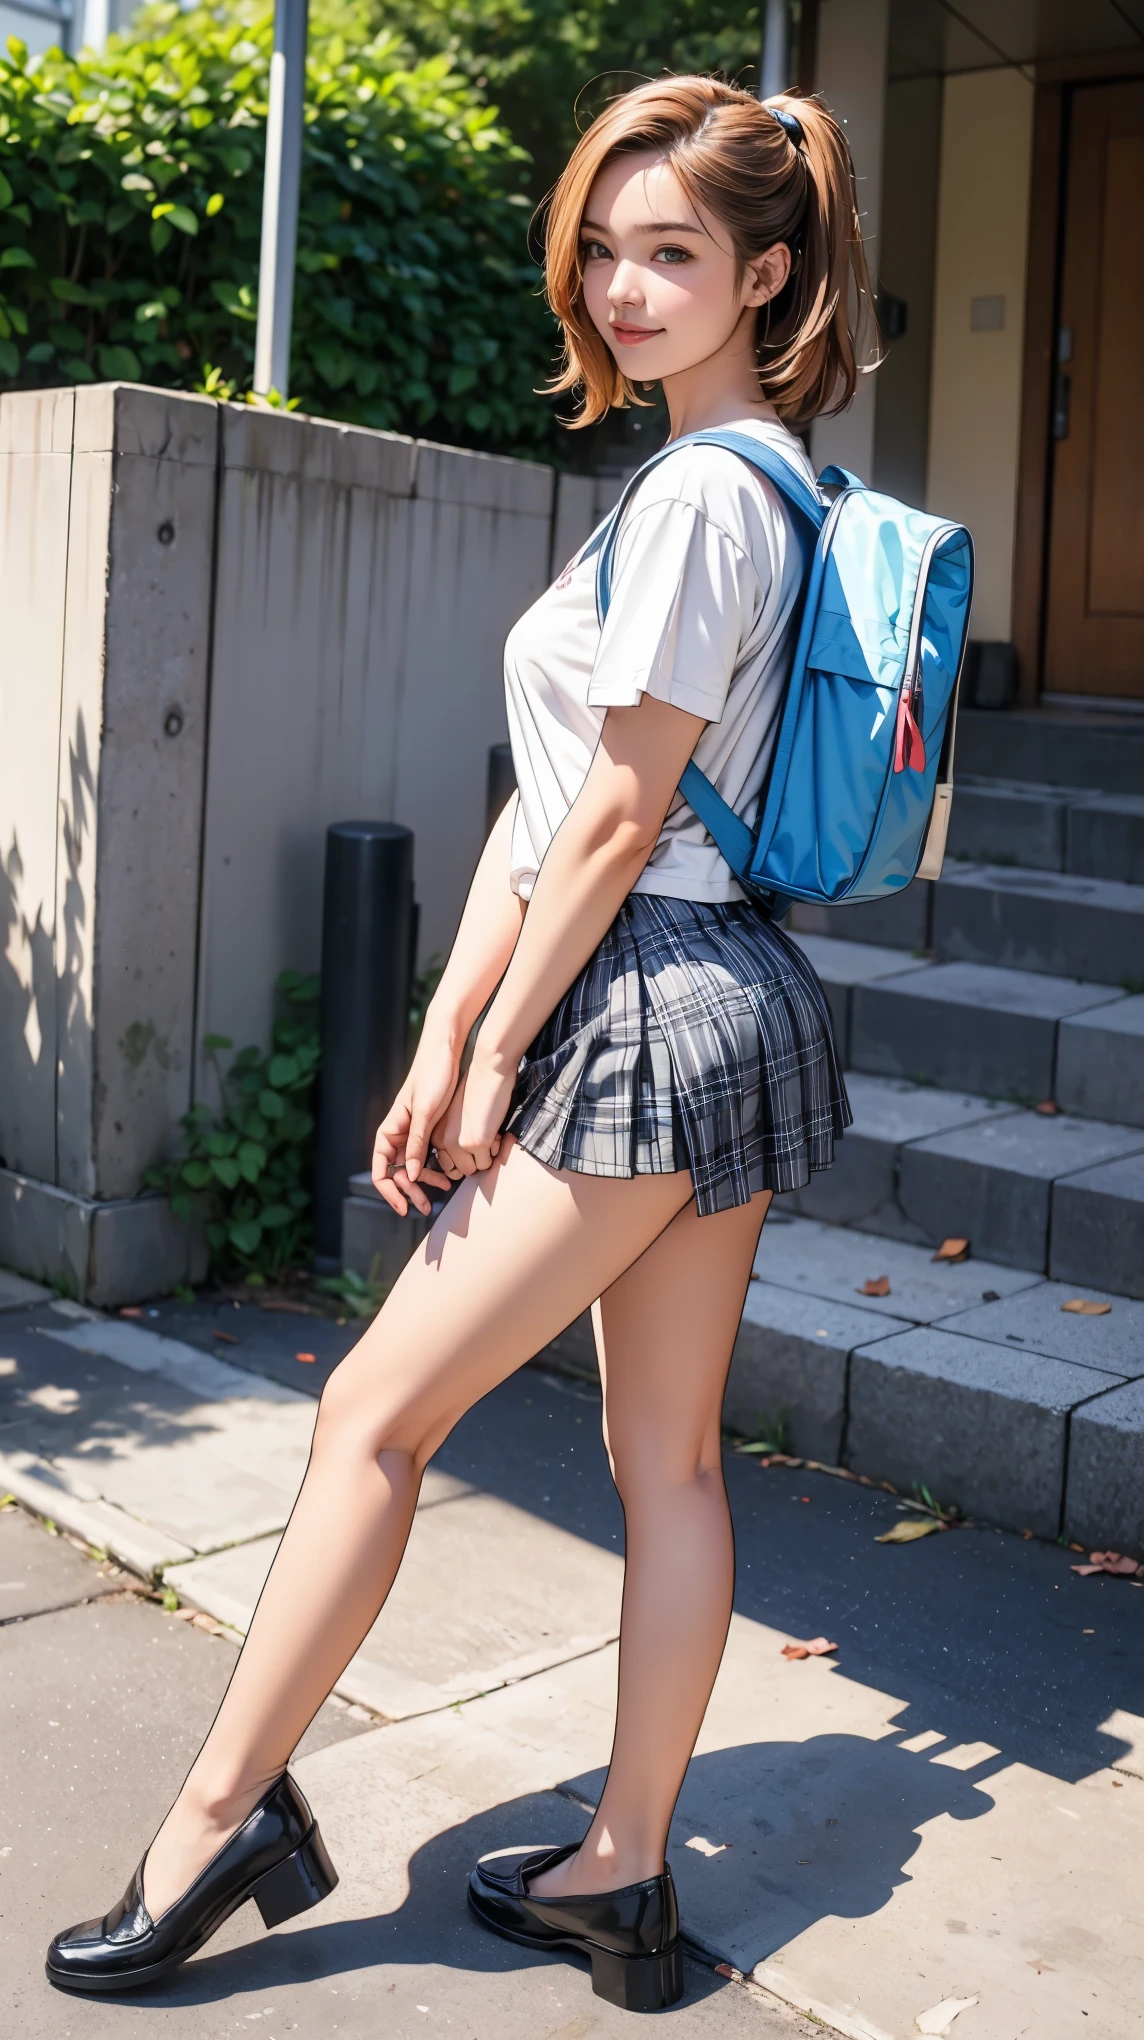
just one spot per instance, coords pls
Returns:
(482, 1156)
(438, 1179)
(413, 1192)
(391, 1195)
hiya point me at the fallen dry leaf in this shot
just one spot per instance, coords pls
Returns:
(940, 2018)
(1110, 1562)
(909, 1531)
(876, 1285)
(130, 1310)
(819, 1646)
(1081, 1307)
(1048, 1106)
(307, 1358)
(952, 1250)
(725, 1969)
(227, 1338)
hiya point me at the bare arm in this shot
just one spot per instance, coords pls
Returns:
(591, 865)
(484, 943)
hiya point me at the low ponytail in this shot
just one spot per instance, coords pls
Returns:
(773, 171)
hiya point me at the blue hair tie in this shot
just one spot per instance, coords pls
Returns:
(790, 122)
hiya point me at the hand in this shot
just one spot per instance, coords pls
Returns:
(403, 1137)
(488, 1092)
(445, 1138)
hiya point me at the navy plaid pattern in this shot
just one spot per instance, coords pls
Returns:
(697, 1037)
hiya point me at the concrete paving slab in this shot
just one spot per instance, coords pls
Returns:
(498, 1616)
(968, 1027)
(861, 1188)
(1098, 1227)
(146, 1352)
(73, 1505)
(984, 1426)
(831, 1261)
(39, 1572)
(788, 1372)
(842, 965)
(991, 1182)
(1035, 1322)
(1090, 928)
(1100, 1063)
(16, 1292)
(1106, 1473)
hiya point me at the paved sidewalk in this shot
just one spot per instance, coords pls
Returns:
(952, 1808)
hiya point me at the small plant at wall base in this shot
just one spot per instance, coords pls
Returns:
(249, 1166)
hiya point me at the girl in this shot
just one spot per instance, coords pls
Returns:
(656, 1062)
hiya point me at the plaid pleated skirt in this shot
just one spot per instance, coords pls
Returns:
(696, 1037)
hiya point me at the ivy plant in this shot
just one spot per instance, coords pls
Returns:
(130, 222)
(247, 1168)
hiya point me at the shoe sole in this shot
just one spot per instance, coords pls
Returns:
(636, 1983)
(300, 1881)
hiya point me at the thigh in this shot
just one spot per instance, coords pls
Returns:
(665, 1331)
(518, 1252)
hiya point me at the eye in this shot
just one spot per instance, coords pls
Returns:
(595, 251)
(672, 255)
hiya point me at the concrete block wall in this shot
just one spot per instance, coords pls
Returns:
(224, 629)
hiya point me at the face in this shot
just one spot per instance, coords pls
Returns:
(660, 276)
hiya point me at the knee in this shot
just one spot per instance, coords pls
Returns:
(365, 1417)
(650, 1472)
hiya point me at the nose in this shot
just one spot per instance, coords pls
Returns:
(625, 287)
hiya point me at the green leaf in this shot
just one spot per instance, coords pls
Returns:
(79, 371)
(17, 258)
(244, 1233)
(271, 1104)
(213, 1042)
(6, 192)
(221, 1141)
(68, 293)
(119, 364)
(196, 1174)
(225, 1172)
(252, 1159)
(282, 1070)
(9, 358)
(214, 204)
(160, 236)
(275, 1215)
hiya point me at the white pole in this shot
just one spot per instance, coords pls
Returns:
(773, 72)
(96, 25)
(280, 199)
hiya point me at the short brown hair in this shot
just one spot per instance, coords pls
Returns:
(732, 156)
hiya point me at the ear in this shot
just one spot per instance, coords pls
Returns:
(764, 278)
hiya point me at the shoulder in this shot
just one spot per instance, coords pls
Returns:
(724, 490)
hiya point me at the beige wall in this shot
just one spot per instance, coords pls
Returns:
(975, 392)
(851, 75)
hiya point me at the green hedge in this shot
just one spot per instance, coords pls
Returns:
(130, 216)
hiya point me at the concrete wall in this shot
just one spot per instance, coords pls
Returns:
(851, 75)
(223, 630)
(907, 250)
(975, 394)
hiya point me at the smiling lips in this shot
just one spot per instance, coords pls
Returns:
(632, 336)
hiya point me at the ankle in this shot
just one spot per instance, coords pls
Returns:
(611, 1865)
(221, 1803)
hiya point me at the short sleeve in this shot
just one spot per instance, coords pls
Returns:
(685, 597)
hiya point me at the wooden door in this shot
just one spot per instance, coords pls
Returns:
(1095, 622)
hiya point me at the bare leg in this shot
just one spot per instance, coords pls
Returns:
(518, 1253)
(665, 1331)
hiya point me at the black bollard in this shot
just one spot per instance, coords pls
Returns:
(367, 966)
(501, 782)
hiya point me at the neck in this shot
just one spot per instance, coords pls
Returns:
(722, 388)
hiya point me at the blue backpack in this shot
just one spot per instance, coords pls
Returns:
(858, 795)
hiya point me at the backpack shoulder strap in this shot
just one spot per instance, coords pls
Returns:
(793, 487)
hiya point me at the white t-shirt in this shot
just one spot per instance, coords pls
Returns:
(705, 579)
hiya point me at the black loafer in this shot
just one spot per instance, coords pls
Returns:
(277, 1858)
(630, 1937)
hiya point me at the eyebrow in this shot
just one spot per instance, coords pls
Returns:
(656, 227)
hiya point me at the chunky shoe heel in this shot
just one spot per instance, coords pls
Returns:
(638, 1983)
(303, 1880)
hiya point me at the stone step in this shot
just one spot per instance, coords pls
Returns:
(1049, 828)
(1053, 748)
(966, 1376)
(922, 1164)
(1003, 1034)
(1054, 923)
